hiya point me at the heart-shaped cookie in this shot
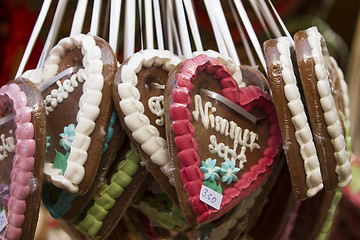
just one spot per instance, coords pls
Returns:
(22, 152)
(63, 204)
(220, 136)
(139, 101)
(76, 86)
(121, 185)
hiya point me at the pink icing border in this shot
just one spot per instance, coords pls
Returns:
(23, 161)
(247, 98)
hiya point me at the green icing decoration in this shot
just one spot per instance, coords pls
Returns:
(355, 172)
(60, 161)
(161, 210)
(327, 224)
(213, 186)
(355, 183)
(92, 223)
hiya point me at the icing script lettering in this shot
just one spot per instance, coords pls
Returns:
(7, 145)
(64, 88)
(242, 139)
(156, 106)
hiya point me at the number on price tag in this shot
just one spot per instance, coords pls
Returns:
(3, 220)
(210, 197)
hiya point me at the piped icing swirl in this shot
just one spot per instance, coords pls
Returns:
(143, 132)
(23, 161)
(91, 75)
(302, 129)
(343, 168)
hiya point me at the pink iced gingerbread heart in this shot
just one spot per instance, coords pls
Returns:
(22, 152)
(220, 136)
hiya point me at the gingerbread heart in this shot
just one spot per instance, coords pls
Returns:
(22, 151)
(76, 85)
(123, 182)
(221, 137)
(63, 204)
(139, 100)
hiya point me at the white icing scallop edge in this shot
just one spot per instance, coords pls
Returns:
(343, 168)
(89, 109)
(299, 119)
(143, 132)
(344, 89)
(227, 61)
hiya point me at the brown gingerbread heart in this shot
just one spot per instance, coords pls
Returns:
(215, 128)
(139, 101)
(76, 85)
(22, 155)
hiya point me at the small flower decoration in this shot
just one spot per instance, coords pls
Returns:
(67, 137)
(228, 171)
(210, 169)
(47, 142)
(4, 195)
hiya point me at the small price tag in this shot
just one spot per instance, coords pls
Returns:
(210, 197)
(3, 220)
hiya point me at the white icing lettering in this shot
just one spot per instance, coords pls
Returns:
(245, 138)
(58, 95)
(7, 146)
(227, 153)
(156, 106)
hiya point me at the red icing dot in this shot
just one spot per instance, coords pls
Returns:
(181, 95)
(197, 205)
(186, 142)
(228, 83)
(182, 127)
(179, 112)
(188, 157)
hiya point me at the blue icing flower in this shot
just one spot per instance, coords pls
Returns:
(228, 171)
(67, 137)
(210, 169)
(47, 142)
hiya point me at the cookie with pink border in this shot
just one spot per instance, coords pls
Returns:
(221, 137)
(22, 152)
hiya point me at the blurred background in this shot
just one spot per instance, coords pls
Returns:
(337, 20)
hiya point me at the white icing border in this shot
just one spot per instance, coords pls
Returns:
(88, 104)
(143, 132)
(343, 168)
(344, 89)
(299, 119)
(228, 62)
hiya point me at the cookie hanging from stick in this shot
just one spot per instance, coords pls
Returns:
(312, 134)
(314, 63)
(22, 129)
(76, 85)
(221, 138)
(297, 137)
(139, 101)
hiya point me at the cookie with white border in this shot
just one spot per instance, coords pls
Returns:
(314, 63)
(139, 100)
(76, 83)
(297, 136)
